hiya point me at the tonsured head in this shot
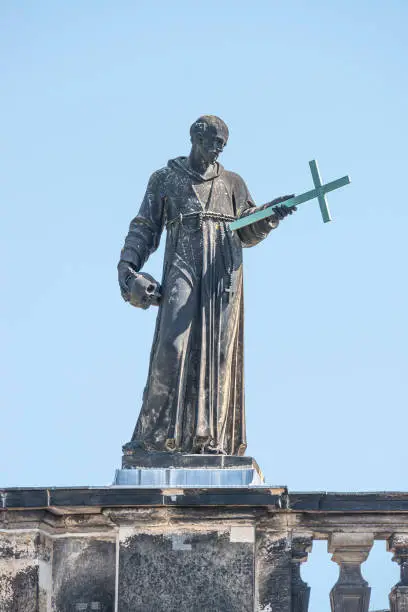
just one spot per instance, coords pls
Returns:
(209, 135)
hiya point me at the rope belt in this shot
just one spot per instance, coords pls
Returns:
(202, 216)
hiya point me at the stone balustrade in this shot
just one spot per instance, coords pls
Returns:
(229, 550)
(350, 523)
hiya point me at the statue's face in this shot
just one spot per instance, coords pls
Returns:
(210, 144)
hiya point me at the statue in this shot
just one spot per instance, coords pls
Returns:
(193, 401)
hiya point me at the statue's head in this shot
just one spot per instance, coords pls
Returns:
(209, 135)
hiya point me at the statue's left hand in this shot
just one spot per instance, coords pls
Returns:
(280, 212)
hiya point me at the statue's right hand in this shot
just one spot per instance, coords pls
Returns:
(138, 288)
(124, 275)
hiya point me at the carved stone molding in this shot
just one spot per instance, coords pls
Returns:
(351, 592)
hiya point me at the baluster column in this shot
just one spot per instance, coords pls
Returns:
(351, 592)
(398, 544)
(301, 547)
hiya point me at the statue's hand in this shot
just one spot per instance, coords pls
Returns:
(145, 291)
(280, 212)
(138, 288)
(124, 277)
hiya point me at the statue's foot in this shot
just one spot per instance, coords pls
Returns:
(212, 449)
(133, 446)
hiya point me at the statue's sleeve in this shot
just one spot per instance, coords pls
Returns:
(146, 228)
(250, 235)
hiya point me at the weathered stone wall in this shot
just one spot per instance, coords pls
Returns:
(20, 555)
(83, 574)
(186, 571)
(273, 558)
(142, 560)
(128, 549)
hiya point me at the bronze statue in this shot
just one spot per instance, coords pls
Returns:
(193, 401)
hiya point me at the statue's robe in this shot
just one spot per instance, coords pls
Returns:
(194, 397)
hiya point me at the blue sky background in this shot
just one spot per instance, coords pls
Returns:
(96, 95)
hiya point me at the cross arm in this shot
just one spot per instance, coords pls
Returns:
(318, 192)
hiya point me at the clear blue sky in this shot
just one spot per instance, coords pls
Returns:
(96, 95)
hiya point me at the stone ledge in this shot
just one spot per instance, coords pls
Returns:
(388, 501)
(77, 498)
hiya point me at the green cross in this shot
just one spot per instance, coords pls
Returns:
(318, 192)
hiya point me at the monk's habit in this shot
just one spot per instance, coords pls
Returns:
(194, 397)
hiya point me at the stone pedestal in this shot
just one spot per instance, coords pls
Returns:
(142, 469)
(134, 549)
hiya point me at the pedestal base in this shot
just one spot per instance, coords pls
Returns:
(129, 549)
(141, 469)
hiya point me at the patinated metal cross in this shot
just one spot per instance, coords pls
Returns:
(318, 192)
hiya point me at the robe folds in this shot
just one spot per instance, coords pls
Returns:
(194, 397)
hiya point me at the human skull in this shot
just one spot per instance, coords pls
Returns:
(144, 290)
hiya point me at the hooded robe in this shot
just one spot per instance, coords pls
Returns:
(194, 397)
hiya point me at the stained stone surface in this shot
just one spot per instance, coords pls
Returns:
(273, 558)
(185, 572)
(18, 572)
(83, 574)
(20, 591)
